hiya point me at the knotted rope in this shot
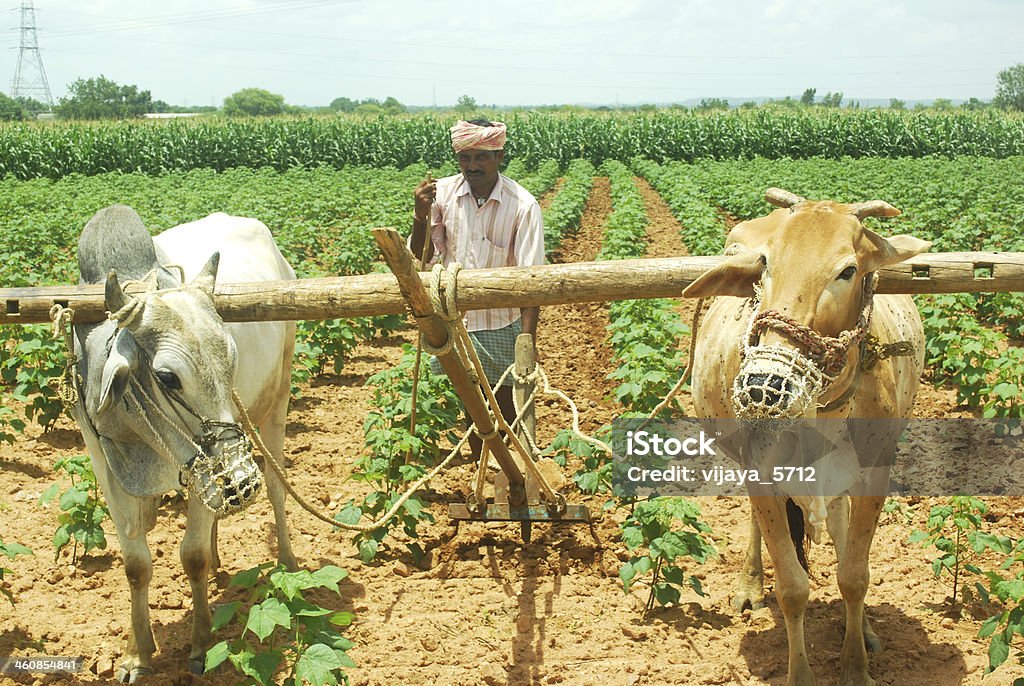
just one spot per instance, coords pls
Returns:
(828, 353)
(67, 385)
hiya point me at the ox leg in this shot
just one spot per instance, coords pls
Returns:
(853, 584)
(195, 558)
(214, 554)
(838, 524)
(792, 587)
(138, 568)
(133, 518)
(272, 432)
(750, 585)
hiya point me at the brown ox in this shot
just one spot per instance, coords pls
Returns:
(796, 354)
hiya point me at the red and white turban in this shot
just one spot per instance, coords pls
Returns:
(466, 136)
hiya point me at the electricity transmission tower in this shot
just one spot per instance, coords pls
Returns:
(29, 76)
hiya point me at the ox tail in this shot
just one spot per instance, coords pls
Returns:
(797, 532)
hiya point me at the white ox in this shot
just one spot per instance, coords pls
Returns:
(796, 354)
(156, 406)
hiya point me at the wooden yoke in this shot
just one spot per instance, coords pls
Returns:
(435, 333)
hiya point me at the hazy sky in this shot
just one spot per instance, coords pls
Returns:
(528, 51)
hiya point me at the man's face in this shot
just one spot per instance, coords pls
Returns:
(480, 167)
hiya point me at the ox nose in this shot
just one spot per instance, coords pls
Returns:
(769, 391)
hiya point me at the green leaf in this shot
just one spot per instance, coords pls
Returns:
(998, 651)
(73, 498)
(627, 572)
(666, 593)
(917, 536)
(246, 579)
(316, 666)
(263, 618)
(216, 655)
(61, 538)
(341, 618)
(588, 482)
(328, 576)
(367, 549)
(413, 507)
(224, 614)
(672, 575)
(304, 609)
(989, 626)
(260, 667)
(1013, 588)
(49, 494)
(633, 537)
(12, 550)
(292, 583)
(349, 515)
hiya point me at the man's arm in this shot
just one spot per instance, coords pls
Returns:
(530, 316)
(424, 196)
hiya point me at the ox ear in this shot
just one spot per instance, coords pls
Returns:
(117, 371)
(887, 251)
(207, 276)
(734, 276)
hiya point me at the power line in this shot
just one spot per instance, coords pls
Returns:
(160, 21)
(556, 68)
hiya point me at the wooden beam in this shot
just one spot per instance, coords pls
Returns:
(400, 260)
(552, 284)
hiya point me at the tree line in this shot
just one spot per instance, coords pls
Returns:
(102, 98)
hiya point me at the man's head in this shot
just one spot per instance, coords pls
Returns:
(479, 145)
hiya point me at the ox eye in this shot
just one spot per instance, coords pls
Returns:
(168, 380)
(847, 273)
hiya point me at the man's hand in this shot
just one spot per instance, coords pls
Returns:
(424, 194)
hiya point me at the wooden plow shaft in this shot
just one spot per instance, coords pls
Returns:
(480, 289)
(436, 335)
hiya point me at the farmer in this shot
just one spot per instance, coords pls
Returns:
(482, 219)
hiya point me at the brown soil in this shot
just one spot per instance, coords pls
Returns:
(490, 610)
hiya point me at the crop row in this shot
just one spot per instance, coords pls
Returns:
(57, 150)
(538, 182)
(703, 229)
(562, 217)
(961, 205)
(644, 334)
(320, 219)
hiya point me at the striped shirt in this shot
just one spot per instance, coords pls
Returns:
(506, 231)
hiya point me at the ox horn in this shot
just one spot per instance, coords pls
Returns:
(124, 309)
(113, 294)
(873, 208)
(781, 198)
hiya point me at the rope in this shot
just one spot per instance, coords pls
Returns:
(67, 387)
(829, 353)
(273, 463)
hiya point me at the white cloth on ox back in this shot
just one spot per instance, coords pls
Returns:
(506, 231)
(248, 253)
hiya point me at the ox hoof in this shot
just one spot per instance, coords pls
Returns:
(132, 675)
(742, 602)
(197, 665)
